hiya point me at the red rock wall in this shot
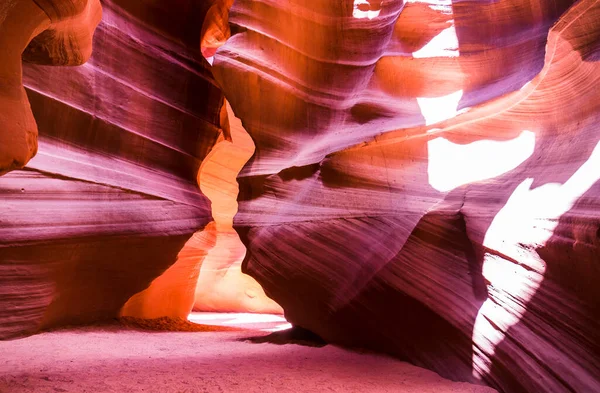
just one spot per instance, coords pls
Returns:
(425, 181)
(111, 197)
(52, 32)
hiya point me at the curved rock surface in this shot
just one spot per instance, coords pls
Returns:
(222, 286)
(207, 275)
(52, 32)
(111, 197)
(426, 179)
(108, 218)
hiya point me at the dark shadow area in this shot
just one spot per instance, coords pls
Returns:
(299, 172)
(251, 187)
(180, 20)
(295, 335)
(365, 112)
(387, 317)
(473, 254)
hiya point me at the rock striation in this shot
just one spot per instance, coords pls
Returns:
(426, 179)
(419, 177)
(111, 198)
(133, 189)
(51, 32)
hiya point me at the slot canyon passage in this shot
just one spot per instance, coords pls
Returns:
(300, 195)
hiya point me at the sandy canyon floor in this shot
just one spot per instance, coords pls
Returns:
(116, 358)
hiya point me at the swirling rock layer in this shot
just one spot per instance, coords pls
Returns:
(111, 198)
(52, 32)
(425, 180)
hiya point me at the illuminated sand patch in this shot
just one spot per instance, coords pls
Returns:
(262, 322)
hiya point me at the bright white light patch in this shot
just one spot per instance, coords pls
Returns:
(445, 44)
(436, 109)
(529, 217)
(444, 6)
(262, 322)
(278, 328)
(452, 165)
(358, 12)
(210, 60)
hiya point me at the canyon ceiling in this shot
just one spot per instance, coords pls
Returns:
(420, 178)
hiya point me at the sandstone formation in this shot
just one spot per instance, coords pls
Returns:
(207, 275)
(111, 198)
(222, 286)
(425, 180)
(420, 177)
(51, 32)
(215, 29)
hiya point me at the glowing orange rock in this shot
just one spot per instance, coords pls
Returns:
(222, 286)
(53, 32)
(172, 293)
(215, 29)
(213, 267)
(207, 274)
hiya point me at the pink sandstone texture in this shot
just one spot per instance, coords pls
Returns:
(419, 178)
(110, 199)
(426, 179)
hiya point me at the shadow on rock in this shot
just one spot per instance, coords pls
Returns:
(295, 335)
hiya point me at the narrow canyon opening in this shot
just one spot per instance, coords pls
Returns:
(207, 277)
